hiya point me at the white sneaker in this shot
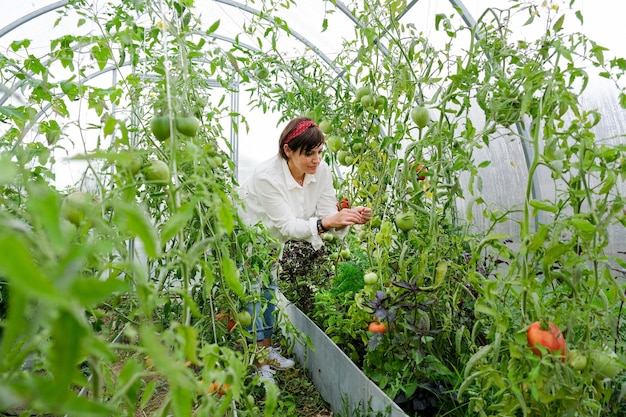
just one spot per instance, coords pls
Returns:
(278, 361)
(266, 374)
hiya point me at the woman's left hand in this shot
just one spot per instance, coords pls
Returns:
(365, 213)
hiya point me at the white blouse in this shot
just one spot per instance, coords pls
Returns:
(289, 211)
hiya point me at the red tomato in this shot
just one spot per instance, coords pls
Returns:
(376, 327)
(345, 203)
(421, 168)
(552, 339)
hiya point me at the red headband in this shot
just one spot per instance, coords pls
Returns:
(302, 126)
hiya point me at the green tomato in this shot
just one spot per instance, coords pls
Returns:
(187, 125)
(335, 143)
(75, 207)
(381, 102)
(244, 318)
(262, 73)
(157, 171)
(326, 126)
(420, 116)
(367, 101)
(342, 157)
(363, 91)
(329, 237)
(604, 364)
(345, 253)
(370, 278)
(129, 162)
(405, 221)
(576, 360)
(160, 127)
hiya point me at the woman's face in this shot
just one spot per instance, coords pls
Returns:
(303, 161)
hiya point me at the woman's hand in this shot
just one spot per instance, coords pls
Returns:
(365, 212)
(348, 217)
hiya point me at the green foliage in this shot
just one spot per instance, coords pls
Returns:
(348, 279)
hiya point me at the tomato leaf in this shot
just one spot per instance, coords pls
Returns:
(176, 222)
(90, 292)
(190, 344)
(231, 277)
(133, 219)
(25, 276)
(65, 350)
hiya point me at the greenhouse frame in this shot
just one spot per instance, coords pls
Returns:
(487, 137)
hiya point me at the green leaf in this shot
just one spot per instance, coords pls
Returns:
(133, 219)
(622, 100)
(558, 25)
(227, 219)
(176, 222)
(543, 205)
(18, 267)
(476, 358)
(129, 381)
(8, 169)
(190, 342)
(231, 277)
(15, 328)
(91, 291)
(181, 401)
(583, 225)
(213, 27)
(65, 350)
(109, 126)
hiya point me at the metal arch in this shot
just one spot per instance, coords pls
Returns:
(30, 16)
(297, 35)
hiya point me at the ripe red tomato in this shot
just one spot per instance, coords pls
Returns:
(551, 339)
(345, 204)
(376, 327)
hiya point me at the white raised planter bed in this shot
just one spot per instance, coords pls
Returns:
(347, 390)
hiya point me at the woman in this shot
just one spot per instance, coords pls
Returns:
(292, 195)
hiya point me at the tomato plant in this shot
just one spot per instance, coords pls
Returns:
(551, 339)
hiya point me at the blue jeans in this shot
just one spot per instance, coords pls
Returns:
(262, 309)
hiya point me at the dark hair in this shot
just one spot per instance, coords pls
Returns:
(308, 140)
